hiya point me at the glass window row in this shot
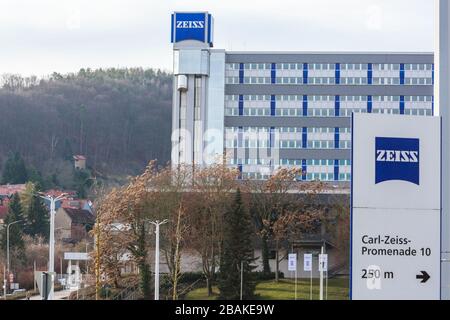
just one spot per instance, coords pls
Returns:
(290, 162)
(332, 66)
(310, 177)
(321, 112)
(419, 81)
(314, 98)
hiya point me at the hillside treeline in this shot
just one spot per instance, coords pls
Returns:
(118, 118)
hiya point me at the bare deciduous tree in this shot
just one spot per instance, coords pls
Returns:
(212, 189)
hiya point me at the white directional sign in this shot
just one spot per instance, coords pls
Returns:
(81, 256)
(292, 262)
(307, 262)
(323, 262)
(396, 207)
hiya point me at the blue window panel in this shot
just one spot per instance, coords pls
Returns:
(338, 73)
(273, 73)
(336, 138)
(432, 105)
(305, 138)
(402, 73)
(305, 73)
(305, 106)
(402, 104)
(273, 106)
(336, 170)
(241, 73)
(241, 105)
(304, 170)
(272, 137)
(369, 104)
(432, 76)
(337, 106)
(370, 74)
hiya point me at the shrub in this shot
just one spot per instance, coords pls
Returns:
(26, 279)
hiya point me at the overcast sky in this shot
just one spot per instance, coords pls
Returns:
(42, 36)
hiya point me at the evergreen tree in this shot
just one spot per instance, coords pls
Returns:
(82, 182)
(37, 219)
(143, 264)
(236, 249)
(66, 151)
(15, 171)
(35, 176)
(16, 243)
(35, 212)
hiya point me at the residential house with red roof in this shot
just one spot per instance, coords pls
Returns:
(73, 224)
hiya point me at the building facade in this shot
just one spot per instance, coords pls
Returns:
(264, 110)
(73, 225)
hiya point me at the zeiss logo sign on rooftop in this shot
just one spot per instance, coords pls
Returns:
(397, 159)
(192, 26)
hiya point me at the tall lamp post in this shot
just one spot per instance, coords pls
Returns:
(51, 253)
(4, 272)
(7, 254)
(157, 223)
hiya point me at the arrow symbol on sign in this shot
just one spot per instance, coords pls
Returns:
(424, 276)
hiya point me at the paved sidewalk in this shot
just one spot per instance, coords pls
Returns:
(59, 295)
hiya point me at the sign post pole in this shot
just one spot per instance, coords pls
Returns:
(321, 273)
(292, 267)
(307, 266)
(295, 283)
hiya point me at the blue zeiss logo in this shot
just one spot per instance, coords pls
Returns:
(189, 26)
(397, 159)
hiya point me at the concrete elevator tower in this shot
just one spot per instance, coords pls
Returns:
(442, 105)
(199, 82)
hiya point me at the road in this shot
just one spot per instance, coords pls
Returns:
(59, 295)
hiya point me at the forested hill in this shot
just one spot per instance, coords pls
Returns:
(119, 118)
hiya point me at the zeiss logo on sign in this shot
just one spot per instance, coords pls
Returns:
(191, 26)
(397, 159)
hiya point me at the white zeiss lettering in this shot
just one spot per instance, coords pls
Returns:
(397, 156)
(190, 24)
(381, 155)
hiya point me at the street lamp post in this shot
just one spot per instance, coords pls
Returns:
(7, 253)
(51, 253)
(4, 273)
(157, 223)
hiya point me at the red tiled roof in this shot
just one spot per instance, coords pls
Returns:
(79, 157)
(10, 189)
(73, 203)
(57, 193)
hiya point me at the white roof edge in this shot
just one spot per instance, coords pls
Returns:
(330, 52)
